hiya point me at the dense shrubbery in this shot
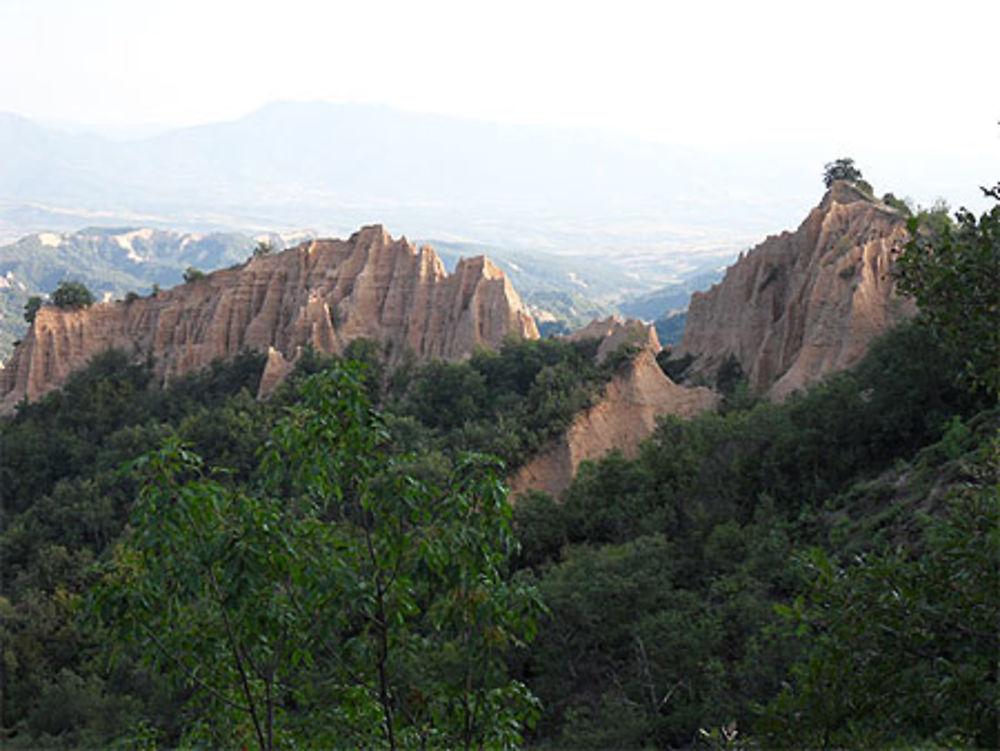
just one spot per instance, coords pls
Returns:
(903, 641)
(506, 403)
(31, 308)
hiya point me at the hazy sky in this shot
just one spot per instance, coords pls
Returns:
(854, 76)
(704, 71)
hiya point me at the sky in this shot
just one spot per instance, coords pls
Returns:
(854, 76)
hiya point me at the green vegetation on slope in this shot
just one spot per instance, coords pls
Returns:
(662, 574)
(822, 573)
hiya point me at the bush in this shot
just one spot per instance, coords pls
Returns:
(31, 308)
(72, 295)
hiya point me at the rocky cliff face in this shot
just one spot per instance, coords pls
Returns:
(804, 303)
(625, 415)
(323, 293)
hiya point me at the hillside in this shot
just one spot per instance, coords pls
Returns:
(670, 298)
(624, 414)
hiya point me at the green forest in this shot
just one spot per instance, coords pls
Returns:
(339, 566)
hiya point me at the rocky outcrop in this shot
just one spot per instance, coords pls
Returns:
(804, 303)
(323, 293)
(615, 333)
(623, 417)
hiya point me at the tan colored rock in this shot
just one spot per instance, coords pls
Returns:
(322, 293)
(615, 332)
(625, 415)
(803, 304)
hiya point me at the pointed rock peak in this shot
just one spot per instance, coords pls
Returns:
(615, 332)
(479, 266)
(275, 371)
(598, 328)
(372, 235)
(431, 261)
(491, 270)
(376, 239)
(802, 304)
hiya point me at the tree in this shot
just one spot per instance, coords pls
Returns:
(192, 274)
(72, 295)
(31, 308)
(843, 169)
(262, 248)
(334, 601)
(953, 272)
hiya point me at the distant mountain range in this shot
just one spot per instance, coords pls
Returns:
(335, 167)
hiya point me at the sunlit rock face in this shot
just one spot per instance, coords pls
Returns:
(805, 303)
(623, 416)
(323, 293)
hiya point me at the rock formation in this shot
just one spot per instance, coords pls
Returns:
(615, 333)
(803, 304)
(625, 414)
(323, 293)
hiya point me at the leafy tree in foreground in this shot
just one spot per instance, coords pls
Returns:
(954, 274)
(72, 295)
(337, 601)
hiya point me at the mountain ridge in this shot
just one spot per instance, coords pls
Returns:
(322, 293)
(347, 164)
